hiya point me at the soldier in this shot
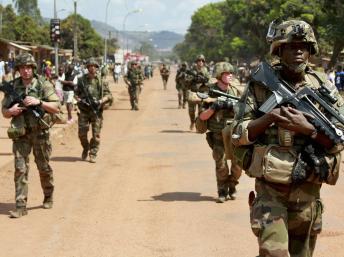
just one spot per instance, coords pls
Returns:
(181, 85)
(92, 93)
(217, 115)
(165, 73)
(134, 80)
(198, 77)
(30, 131)
(274, 147)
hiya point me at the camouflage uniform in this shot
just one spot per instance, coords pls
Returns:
(285, 216)
(226, 181)
(181, 86)
(97, 89)
(165, 73)
(34, 136)
(134, 79)
(195, 86)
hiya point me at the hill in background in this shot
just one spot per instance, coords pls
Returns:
(162, 40)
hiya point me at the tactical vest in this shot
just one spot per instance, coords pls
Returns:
(220, 118)
(135, 77)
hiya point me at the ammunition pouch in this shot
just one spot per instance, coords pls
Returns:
(227, 141)
(17, 127)
(15, 133)
(201, 126)
(274, 163)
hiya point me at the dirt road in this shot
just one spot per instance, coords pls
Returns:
(150, 194)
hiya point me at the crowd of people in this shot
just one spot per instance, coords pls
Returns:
(288, 152)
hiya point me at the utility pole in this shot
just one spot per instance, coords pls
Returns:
(75, 34)
(56, 45)
(2, 8)
(105, 39)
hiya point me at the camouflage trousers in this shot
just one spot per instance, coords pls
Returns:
(40, 144)
(192, 110)
(164, 82)
(182, 97)
(226, 181)
(286, 221)
(134, 92)
(87, 119)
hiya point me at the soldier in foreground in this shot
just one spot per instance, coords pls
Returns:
(165, 73)
(29, 130)
(92, 93)
(134, 79)
(288, 155)
(215, 116)
(181, 85)
(198, 77)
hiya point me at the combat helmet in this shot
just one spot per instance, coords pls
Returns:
(291, 31)
(25, 59)
(92, 61)
(184, 64)
(222, 67)
(200, 57)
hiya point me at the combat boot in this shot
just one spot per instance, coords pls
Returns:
(48, 202)
(232, 193)
(92, 159)
(18, 213)
(222, 196)
(84, 154)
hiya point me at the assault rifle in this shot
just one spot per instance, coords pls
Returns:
(212, 96)
(36, 111)
(284, 94)
(197, 77)
(89, 101)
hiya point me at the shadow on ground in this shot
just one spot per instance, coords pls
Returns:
(6, 207)
(5, 154)
(65, 159)
(175, 131)
(181, 197)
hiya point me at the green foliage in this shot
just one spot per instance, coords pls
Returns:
(89, 42)
(28, 8)
(237, 28)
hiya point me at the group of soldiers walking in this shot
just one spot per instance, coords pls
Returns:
(288, 150)
(33, 106)
(289, 141)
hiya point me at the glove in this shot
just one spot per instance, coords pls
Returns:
(220, 105)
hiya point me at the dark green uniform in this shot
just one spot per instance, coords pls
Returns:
(134, 79)
(97, 89)
(226, 180)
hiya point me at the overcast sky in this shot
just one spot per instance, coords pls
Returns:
(156, 15)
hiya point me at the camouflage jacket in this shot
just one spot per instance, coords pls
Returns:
(220, 118)
(134, 77)
(194, 74)
(164, 72)
(285, 144)
(181, 79)
(95, 88)
(40, 89)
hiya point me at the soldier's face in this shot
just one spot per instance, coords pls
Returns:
(92, 69)
(26, 72)
(200, 63)
(226, 78)
(295, 55)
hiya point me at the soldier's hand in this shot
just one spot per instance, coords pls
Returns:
(296, 121)
(15, 110)
(31, 101)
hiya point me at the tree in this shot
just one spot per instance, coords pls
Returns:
(89, 42)
(29, 8)
(8, 19)
(26, 29)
